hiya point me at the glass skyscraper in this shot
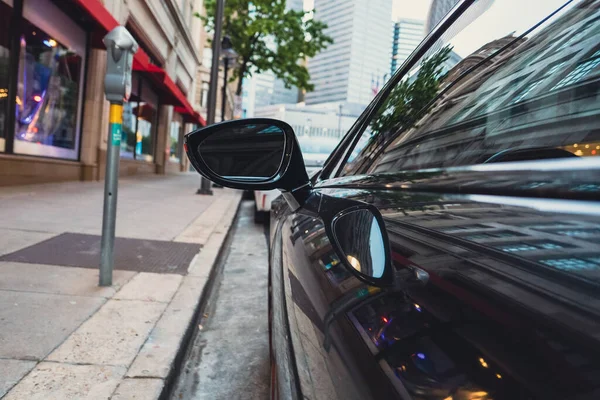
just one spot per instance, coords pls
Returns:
(353, 68)
(408, 33)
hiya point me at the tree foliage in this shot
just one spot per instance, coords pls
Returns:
(409, 100)
(268, 37)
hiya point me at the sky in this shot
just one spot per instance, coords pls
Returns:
(502, 18)
(401, 8)
(416, 9)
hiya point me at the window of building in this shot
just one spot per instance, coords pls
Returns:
(139, 121)
(518, 247)
(175, 136)
(204, 94)
(581, 34)
(581, 70)
(572, 264)
(49, 79)
(578, 232)
(531, 86)
(5, 17)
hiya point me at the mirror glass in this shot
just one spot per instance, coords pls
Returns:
(244, 152)
(359, 235)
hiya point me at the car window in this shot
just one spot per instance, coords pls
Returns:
(525, 87)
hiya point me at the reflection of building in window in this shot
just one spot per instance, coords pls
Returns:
(581, 71)
(466, 126)
(531, 86)
(574, 264)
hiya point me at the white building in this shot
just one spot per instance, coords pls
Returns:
(348, 70)
(322, 120)
(408, 33)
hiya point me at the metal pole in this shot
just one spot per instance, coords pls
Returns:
(214, 76)
(224, 96)
(120, 48)
(111, 185)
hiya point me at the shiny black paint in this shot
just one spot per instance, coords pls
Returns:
(328, 209)
(290, 176)
(489, 324)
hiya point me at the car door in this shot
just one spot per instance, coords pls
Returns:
(485, 173)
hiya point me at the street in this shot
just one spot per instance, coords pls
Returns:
(229, 353)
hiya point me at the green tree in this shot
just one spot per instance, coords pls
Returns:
(267, 37)
(410, 99)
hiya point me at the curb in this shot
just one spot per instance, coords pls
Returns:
(186, 341)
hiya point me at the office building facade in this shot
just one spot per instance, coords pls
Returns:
(349, 69)
(53, 113)
(408, 33)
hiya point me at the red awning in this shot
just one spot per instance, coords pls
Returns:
(171, 94)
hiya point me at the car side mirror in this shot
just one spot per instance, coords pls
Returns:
(249, 154)
(357, 233)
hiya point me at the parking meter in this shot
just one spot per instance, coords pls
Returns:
(120, 48)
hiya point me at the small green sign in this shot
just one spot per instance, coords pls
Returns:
(116, 134)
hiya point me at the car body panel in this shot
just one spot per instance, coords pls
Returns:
(506, 311)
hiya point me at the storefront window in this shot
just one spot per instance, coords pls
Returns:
(5, 15)
(175, 142)
(139, 121)
(47, 96)
(146, 114)
(128, 137)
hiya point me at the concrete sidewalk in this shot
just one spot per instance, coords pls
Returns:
(62, 336)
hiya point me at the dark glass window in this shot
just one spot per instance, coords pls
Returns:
(5, 16)
(47, 95)
(139, 121)
(176, 132)
(494, 105)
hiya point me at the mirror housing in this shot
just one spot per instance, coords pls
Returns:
(338, 214)
(289, 176)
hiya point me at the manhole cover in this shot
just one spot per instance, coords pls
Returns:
(79, 250)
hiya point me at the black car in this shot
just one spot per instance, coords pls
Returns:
(450, 246)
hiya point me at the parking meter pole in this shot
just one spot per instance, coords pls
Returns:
(111, 186)
(120, 48)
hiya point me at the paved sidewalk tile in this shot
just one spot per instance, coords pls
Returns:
(54, 381)
(142, 389)
(11, 372)
(157, 355)
(58, 280)
(113, 336)
(13, 240)
(149, 286)
(200, 230)
(157, 207)
(33, 324)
